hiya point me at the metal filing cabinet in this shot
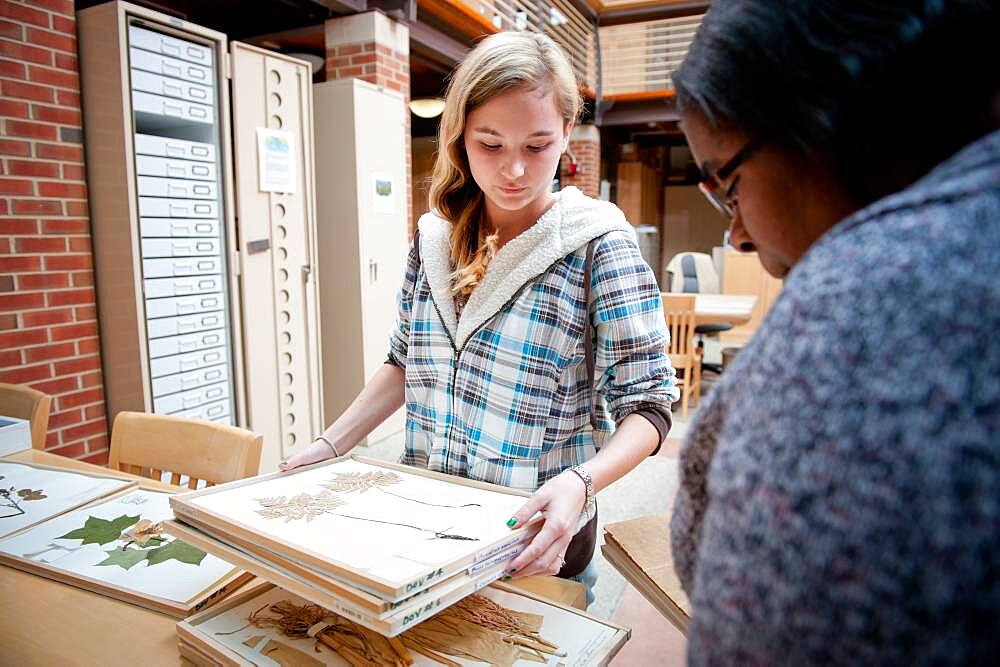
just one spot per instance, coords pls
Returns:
(201, 316)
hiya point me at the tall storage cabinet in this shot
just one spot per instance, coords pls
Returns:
(361, 204)
(200, 317)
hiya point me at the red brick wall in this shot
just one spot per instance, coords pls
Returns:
(48, 318)
(588, 174)
(384, 67)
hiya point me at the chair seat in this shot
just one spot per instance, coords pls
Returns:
(712, 328)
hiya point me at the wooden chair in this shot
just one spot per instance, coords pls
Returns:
(685, 355)
(149, 445)
(17, 400)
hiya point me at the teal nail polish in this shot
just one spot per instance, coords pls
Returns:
(506, 578)
(511, 521)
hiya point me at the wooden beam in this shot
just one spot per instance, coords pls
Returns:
(460, 16)
(643, 95)
(650, 13)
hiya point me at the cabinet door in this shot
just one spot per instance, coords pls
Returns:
(380, 135)
(277, 253)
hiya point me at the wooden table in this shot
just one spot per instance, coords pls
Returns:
(723, 308)
(44, 622)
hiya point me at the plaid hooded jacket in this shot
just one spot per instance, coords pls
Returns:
(501, 394)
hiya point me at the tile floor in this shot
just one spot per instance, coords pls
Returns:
(646, 490)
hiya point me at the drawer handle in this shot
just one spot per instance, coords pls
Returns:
(199, 150)
(203, 208)
(211, 339)
(204, 246)
(214, 392)
(171, 109)
(206, 266)
(213, 374)
(169, 47)
(206, 284)
(210, 302)
(203, 227)
(199, 93)
(197, 73)
(202, 189)
(198, 112)
(199, 170)
(210, 321)
(212, 356)
(196, 52)
(215, 410)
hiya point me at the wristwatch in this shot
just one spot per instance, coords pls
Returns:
(588, 483)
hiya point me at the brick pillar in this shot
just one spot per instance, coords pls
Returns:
(48, 317)
(585, 144)
(373, 47)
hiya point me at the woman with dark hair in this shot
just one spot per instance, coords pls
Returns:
(840, 488)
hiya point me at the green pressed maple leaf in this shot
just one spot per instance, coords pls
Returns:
(177, 550)
(125, 558)
(100, 531)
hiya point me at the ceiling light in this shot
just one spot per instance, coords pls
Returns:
(427, 107)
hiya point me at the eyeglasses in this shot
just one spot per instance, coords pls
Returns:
(711, 183)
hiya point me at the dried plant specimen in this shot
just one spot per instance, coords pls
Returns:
(132, 531)
(12, 497)
(298, 507)
(476, 628)
(348, 482)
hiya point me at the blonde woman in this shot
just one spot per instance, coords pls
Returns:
(512, 369)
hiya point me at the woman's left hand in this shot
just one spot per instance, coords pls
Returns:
(560, 500)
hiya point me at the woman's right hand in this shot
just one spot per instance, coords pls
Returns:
(315, 452)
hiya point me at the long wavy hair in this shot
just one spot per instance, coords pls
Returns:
(500, 63)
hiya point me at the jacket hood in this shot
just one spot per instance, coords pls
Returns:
(572, 221)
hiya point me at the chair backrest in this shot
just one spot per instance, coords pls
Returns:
(17, 400)
(692, 273)
(678, 310)
(149, 445)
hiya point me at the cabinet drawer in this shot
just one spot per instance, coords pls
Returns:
(167, 66)
(162, 207)
(183, 363)
(180, 247)
(164, 287)
(154, 186)
(156, 42)
(184, 305)
(187, 400)
(176, 326)
(147, 165)
(162, 85)
(178, 228)
(172, 108)
(216, 412)
(150, 144)
(186, 381)
(193, 266)
(164, 347)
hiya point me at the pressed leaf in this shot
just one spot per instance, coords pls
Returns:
(176, 550)
(28, 494)
(100, 531)
(144, 532)
(298, 507)
(125, 558)
(348, 482)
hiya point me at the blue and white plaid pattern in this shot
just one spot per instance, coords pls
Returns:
(512, 407)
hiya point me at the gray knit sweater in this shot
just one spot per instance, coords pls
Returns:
(840, 488)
